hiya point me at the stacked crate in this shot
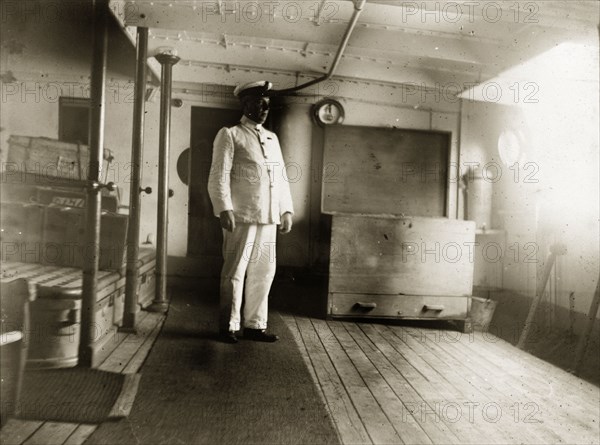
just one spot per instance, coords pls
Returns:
(42, 233)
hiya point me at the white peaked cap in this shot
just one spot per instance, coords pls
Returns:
(258, 88)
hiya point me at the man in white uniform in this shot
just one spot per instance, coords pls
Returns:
(250, 194)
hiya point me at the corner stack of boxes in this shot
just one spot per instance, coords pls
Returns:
(42, 233)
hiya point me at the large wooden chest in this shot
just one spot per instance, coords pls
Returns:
(401, 267)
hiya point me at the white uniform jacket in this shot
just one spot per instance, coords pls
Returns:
(248, 174)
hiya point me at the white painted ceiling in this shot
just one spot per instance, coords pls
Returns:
(394, 42)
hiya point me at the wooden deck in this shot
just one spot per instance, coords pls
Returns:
(392, 384)
(127, 358)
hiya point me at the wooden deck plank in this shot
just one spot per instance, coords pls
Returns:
(347, 420)
(376, 422)
(52, 433)
(122, 355)
(378, 382)
(431, 408)
(136, 362)
(433, 375)
(588, 393)
(17, 431)
(418, 381)
(584, 403)
(431, 386)
(458, 413)
(482, 393)
(382, 355)
(124, 402)
(80, 435)
(290, 322)
(567, 420)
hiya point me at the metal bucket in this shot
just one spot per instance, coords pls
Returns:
(54, 333)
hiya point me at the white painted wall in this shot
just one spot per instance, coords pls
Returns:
(553, 199)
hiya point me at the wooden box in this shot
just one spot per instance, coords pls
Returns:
(55, 235)
(63, 237)
(49, 157)
(147, 278)
(67, 197)
(26, 189)
(113, 239)
(119, 306)
(21, 232)
(65, 243)
(403, 267)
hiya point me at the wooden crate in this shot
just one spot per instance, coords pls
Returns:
(119, 306)
(55, 235)
(147, 278)
(21, 232)
(49, 157)
(65, 243)
(63, 237)
(74, 196)
(411, 256)
(113, 239)
(401, 267)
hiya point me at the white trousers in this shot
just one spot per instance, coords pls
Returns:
(249, 254)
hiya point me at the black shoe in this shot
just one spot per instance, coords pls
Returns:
(259, 335)
(228, 337)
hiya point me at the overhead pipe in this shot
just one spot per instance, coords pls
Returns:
(358, 7)
(135, 189)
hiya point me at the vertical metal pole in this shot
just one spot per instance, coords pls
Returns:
(137, 147)
(93, 210)
(167, 61)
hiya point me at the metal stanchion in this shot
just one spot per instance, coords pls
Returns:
(137, 146)
(93, 209)
(160, 302)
